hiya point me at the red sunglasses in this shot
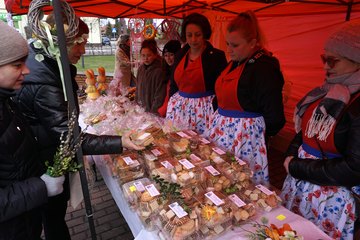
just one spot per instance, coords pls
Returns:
(329, 60)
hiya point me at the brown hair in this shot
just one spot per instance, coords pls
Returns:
(199, 20)
(247, 24)
(151, 45)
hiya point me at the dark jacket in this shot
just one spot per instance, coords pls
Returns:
(22, 192)
(344, 171)
(213, 62)
(260, 90)
(41, 99)
(151, 86)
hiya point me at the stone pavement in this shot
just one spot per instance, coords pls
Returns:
(109, 222)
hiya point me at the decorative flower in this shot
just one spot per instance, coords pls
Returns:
(272, 232)
(63, 161)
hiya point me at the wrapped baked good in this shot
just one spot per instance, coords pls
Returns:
(150, 204)
(164, 168)
(214, 212)
(151, 156)
(215, 181)
(187, 173)
(262, 197)
(126, 167)
(242, 209)
(142, 138)
(176, 223)
(133, 191)
(238, 172)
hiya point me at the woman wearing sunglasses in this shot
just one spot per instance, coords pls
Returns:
(323, 160)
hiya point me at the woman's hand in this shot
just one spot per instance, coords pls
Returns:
(287, 162)
(127, 143)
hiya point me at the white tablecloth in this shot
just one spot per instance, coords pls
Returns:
(305, 228)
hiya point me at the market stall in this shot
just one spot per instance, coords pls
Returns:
(124, 173)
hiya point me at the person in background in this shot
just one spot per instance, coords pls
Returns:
(151, 85)
(196, 69)
(323, 161)
(248, 96)
(169, 51)
(122, 74)
(42, 101)
(24, 188)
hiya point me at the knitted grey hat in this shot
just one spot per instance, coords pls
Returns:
(346, 41)
(12, 45)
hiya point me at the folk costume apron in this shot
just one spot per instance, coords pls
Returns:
(236, 130)
(191, 107)
(331, 208)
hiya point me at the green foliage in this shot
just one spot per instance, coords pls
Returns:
(108, 31)
(64, 161)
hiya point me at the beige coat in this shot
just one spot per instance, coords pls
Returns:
(122, 72)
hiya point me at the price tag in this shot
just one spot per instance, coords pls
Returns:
(144, 136)
(167, 164)
(139, 186)
(212, 170)
(235, 199)
(264, 189)
(192, 133)
(218, 151)
(214, 199)
(195, 158)
(204, 141)
(135, 163)
(183, 135)
(152, 190)
(178, 210)
(241, 162)
(156, 152)
(128, 160)
(144, 126)
(186, 163)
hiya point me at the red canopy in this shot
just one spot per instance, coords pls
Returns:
(179, 8)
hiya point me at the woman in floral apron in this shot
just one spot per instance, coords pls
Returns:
(323, 159)
(249, 96)
(196, 68)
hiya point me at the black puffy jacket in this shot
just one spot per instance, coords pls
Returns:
(22, 192)
(41, 99)
(344, 171)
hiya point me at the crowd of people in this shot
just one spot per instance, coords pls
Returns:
(237, 104)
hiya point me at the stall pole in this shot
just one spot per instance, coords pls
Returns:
(72, 107)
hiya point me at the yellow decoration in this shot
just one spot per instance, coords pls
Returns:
(92, 92)
(149, 32)
(208, 212)
(280, 217)
(132, 188)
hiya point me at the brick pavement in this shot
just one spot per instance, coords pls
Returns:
(110, 224)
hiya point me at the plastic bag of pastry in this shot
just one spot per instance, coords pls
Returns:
(133, 191)
(150, 204)
(126, 167)
(177, 222)
(165, 167)
(187, 173)
(262, 197)
(238, 172)
(215, 181)
(214, 212)
(153, 155)
(242, 209)
(142, 138)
